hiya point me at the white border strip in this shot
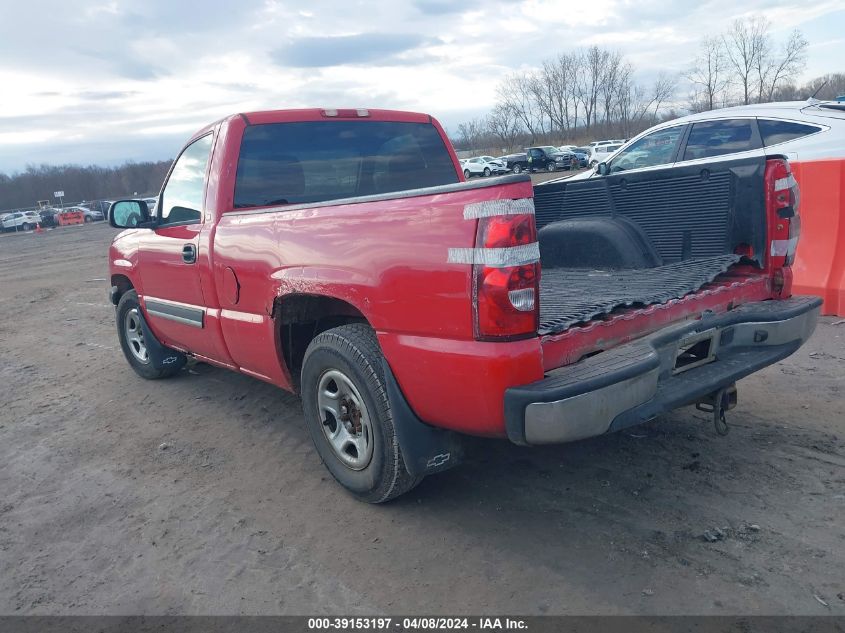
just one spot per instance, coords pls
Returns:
(785, 183)
(490, 208)
(496, 257)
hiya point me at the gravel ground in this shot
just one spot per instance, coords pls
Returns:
(203, 494)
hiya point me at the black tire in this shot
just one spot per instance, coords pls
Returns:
(550, 167)
(487, 172)
(467, 174)
(517, 169)
(353, 351)
(87, 219)
(128, 302)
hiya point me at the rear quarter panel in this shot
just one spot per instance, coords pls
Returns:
(388, 259)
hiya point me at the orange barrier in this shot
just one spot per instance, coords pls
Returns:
(819, 267)
(70, 217)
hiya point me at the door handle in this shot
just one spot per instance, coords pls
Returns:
(189, 253)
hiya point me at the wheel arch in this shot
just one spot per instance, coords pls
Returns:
(120, 285)
(300, 317)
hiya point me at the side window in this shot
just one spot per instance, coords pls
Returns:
(714, 138)
(774, 132)
(182, 198)
(657, 148)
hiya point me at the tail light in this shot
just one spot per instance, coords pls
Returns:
(782, 201)
(506, 278)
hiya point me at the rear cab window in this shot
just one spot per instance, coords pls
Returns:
(715, 138)
(316, 161)
(774, 131)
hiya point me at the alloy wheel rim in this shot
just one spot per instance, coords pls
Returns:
(135, 336)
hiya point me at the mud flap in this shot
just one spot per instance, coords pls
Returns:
(425, 449)
(161, 357)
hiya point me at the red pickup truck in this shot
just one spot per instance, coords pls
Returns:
(341, 255)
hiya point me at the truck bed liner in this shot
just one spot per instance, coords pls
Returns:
(575, 295)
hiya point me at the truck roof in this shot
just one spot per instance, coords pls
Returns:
(260, 117)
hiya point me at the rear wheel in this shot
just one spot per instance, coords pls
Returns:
(517, 169)
(467, 174)
(26, 226)
(348, 415)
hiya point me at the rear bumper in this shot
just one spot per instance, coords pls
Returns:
(635, 382)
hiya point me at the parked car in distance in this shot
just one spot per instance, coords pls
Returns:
(48, 216)
(89, 215)
(21, 221)
(478, 166)
(582, 155)
(498, 164)
(151, 204)
(599, 153)
(517, 163)
(548, 158)
(617, 141)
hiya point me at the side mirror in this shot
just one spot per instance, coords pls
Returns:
(602, 169)
(129, 214)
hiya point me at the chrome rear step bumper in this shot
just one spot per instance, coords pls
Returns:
(676, 366)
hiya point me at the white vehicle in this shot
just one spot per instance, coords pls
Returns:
(615, 141)
(567, 149)
(600, 153)
(498, 163)
(478, 166)
(799, 130)
(20, 221)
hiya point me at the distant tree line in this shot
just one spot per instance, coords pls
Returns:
(594, 93)
(24, 189)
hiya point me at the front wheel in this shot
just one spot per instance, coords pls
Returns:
(26, 226)
(88, 219)
(550, 167)
(487, 172)
(136, 344)
(348, 415)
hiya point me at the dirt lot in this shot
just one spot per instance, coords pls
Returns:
(236, 514)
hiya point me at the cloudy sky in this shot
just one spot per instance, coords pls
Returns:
(103, 81)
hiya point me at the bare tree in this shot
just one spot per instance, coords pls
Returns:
(589, 86)
(709, 72)
(505, 124)
(744, 45)
(515, 92)
(757, 64)
(471, 133)
(776, 68)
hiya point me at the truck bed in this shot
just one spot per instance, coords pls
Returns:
(569, 296)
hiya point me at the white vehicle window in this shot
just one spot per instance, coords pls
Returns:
(774, 132)
(715, 138)
(657, 148)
